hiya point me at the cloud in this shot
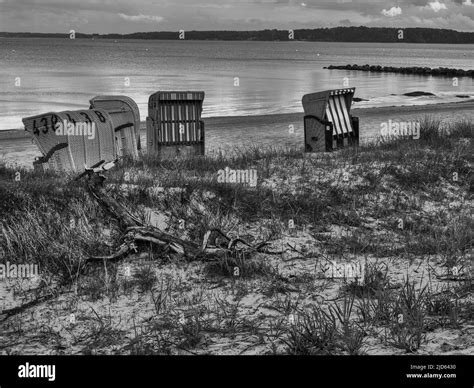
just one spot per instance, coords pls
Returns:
(462, 21)
(125, 16)
(437, 6)
(141, 18)
(392, 12)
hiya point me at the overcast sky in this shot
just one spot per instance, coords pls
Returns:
(125, 16)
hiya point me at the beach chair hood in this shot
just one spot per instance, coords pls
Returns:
(124, 111)
(316, 103)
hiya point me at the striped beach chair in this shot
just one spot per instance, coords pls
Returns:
(126, 120)
(328, 124)
(174, 125)
(72, 140)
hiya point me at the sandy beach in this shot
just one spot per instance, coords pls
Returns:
(226, 133)
(392, 217)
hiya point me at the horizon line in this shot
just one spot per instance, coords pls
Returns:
(243, 30)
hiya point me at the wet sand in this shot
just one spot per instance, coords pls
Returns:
(226, 133)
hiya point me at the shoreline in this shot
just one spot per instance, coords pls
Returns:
(277, 118)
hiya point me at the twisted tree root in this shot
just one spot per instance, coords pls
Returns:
(136, 232)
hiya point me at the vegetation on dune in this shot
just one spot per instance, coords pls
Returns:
(400, 198)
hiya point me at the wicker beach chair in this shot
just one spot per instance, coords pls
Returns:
(126, 120)
(328, 124)
(86, 137)
(174, 125)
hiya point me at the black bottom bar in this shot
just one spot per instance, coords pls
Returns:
(363, 371)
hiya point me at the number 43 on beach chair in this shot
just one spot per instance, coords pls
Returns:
(328, 124)
(72, 140)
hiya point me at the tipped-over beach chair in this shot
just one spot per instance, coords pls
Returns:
(126, 120)
(328, 124)
(83, 139)
(174, 126)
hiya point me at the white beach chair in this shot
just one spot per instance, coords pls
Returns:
(72, 147)
(328, 124)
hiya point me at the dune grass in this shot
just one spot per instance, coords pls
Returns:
(402, 198)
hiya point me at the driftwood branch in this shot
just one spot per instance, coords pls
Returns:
(111, 206)
(7, 313)
(135, 232)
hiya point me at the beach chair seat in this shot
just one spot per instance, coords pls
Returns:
(72, 140)
(126, 120)
(328, 124)
(174, 125)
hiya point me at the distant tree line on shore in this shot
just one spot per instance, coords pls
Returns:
(337, 34)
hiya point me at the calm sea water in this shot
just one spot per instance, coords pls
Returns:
(60, 74)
